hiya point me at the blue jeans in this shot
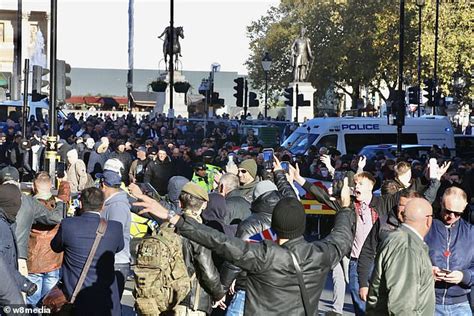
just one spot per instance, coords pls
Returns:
(462, 309)
(237, 305)
(45, 282)
(359, 305)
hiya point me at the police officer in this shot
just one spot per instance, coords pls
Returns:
(201, 177)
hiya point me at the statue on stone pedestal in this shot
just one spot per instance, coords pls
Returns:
(301, 57)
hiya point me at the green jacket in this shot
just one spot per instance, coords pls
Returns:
(402, 282)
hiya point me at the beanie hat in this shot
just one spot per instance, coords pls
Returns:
(250, 165)
(10, 200)
(289, 218)
(263, 187)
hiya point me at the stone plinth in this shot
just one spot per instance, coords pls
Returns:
(179, 101)
(304, 112)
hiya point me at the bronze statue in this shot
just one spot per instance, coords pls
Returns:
(301, 57)
(178, 32)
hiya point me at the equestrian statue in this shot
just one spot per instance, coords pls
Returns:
(178, 32)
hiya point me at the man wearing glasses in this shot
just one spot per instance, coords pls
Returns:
(452, 255)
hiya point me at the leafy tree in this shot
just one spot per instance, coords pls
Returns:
(356, 42)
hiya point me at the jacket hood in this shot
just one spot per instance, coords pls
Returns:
(266, 202)
(214, 215)
(121, 197)
(175, 185)
(10, 201)
(216, 208)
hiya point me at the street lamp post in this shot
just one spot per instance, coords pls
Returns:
(266, 65)
(401, 97)
(420, 4)
(435, 75)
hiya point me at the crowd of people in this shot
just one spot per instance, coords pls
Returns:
(401, 237)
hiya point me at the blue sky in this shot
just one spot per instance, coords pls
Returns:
(94, 34)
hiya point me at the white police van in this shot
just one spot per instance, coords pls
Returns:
(350, 134)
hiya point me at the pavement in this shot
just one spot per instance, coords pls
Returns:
(324, 303)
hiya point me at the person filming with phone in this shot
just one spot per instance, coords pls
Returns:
(452, 255)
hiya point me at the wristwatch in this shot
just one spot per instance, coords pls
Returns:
(171, 214)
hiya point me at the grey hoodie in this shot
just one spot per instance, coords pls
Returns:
(117, 208)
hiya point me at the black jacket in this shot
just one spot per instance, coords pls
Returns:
(381, 228)
(158, 173)
(272, 285)
(258, 221)
(199, 261)
(238, 208)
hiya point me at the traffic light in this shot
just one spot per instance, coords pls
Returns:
(413, 95)
(215, 100)
(300, 101)
(38, 83)
(62, 80)
(239, 92)
(288, 94)
(253, 102)
(429, 83)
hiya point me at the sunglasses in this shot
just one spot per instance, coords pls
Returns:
(449, 212)
(242, 171)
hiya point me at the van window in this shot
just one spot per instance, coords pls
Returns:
(355, 142)
(298, 143)
(10, 112)
(328, 141)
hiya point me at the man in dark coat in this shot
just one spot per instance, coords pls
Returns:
(265, 197)
(238, 208)
(99, 294)
(158, 172)
(124, 157)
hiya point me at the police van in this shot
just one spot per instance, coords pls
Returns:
(350, 134)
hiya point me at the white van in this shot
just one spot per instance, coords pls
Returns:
(350, 134)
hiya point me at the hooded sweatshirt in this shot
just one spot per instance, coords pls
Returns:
(117, 208)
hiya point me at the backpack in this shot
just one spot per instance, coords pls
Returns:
(161, 276)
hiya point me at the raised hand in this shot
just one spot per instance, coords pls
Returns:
(135, 190)
(151, 206)
(361, 164)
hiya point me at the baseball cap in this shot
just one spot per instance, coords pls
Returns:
(200, 166)
(114, 165)
(111, 178)
(152, 151)
(9, 173)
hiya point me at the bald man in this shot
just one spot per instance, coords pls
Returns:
(451, 242)
(402, 282)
